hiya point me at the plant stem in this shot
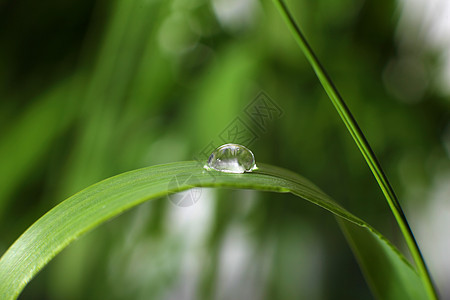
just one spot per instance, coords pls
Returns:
(363, 146)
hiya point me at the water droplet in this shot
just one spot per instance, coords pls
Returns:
(232, 158)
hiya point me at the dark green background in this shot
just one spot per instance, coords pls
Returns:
(91, 89)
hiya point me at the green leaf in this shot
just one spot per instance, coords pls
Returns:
(363, 145)
(108, 198)
(387, 272)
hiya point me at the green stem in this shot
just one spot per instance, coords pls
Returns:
(363, 146)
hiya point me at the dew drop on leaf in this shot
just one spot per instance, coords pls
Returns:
(231, 158)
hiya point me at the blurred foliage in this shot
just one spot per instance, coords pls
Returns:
(89, 90)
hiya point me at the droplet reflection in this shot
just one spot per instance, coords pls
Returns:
(232, 158)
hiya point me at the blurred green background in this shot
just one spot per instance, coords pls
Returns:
(90, 89)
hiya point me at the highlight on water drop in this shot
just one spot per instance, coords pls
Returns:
(232, 158)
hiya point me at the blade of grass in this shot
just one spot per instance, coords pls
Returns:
(108, 198)
(363, 145)
(380, 265)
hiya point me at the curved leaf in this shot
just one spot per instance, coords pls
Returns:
(108, 198)
(363, 145)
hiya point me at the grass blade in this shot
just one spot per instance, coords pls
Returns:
(363, 146)
(108, 198)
